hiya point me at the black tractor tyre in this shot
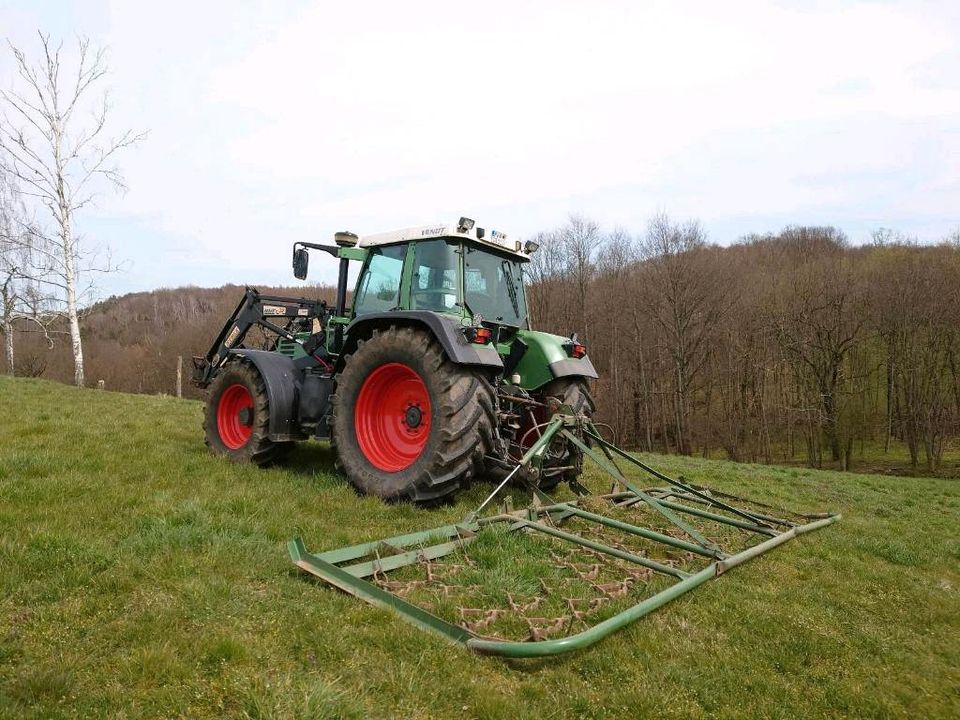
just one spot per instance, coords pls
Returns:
(576, 393)
(569, 391)
(407, 423)
(236, 419)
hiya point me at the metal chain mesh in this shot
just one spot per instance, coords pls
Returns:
(580, 564)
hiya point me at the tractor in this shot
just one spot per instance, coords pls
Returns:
(432, 376)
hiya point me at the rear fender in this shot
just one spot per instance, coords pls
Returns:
(283, 382)
(448, 332)
(545, 358)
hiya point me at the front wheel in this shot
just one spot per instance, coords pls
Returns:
(237, 416)
(409, 424)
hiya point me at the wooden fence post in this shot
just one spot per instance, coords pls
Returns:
(179, 376)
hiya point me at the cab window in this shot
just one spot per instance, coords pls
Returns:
(436, 268)
(379, 286)
(494, 287)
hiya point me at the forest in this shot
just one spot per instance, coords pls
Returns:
(778, 346)
(791, 346)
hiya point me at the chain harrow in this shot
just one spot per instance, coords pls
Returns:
(617, 547)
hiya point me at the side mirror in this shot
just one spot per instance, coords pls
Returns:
(300, 262)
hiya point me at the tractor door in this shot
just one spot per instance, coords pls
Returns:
(378, 287)
(435, 281)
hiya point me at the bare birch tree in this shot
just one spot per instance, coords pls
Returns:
(21, 295)
(59, 160)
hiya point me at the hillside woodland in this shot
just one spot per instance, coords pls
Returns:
(788, 346)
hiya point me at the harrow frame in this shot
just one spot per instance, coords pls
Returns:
(346, 568)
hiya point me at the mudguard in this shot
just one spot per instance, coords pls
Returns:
(545, 358)
(574, 366)
(283, 381)
(448, 332)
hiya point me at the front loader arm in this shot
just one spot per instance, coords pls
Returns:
(254, 309)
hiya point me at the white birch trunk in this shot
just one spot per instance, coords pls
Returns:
(8, 344)
(70, 277)
(7, 298)
(69, 256)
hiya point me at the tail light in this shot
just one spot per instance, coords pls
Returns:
(478, 335)
(576, 350)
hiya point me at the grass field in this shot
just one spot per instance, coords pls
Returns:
(141, 577)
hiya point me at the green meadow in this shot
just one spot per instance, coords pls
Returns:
(141, 577)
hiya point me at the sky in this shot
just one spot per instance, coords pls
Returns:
(275, 122)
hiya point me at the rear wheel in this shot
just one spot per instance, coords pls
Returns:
(237, 416)
(407, 422)
(575, 393)
(561, 454)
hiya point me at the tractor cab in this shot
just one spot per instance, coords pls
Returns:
(457, 270)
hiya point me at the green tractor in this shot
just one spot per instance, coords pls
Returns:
(431, 379)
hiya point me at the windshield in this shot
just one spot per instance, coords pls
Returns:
(493, 285)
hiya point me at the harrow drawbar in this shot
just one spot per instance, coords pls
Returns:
(609, 554)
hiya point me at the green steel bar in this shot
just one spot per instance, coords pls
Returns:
(707, 515)
(355, 552)
(676, 483)
(392, 562)
(783, 537)
(635, 530)
(372, 594)
(543, 648)
(713, 492)
(606, 549)
(711, 503)
(651, 501)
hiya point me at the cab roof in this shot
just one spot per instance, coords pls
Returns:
(480, 236)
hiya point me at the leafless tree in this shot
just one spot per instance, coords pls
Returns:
(562, 269)
(687, 295)
(544, 269)
(581, 242)
(818, 319)
(21, 295)
(60, 160)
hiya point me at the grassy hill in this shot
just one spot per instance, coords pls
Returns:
(141, 577)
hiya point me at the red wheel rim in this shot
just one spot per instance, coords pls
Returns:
(235, 416)
(392, 417)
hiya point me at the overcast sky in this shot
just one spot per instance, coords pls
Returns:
(273, 122)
